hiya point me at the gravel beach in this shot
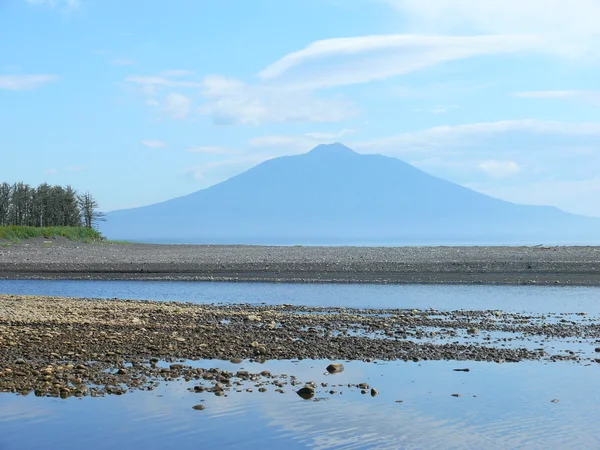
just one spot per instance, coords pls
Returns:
(493, 265)
(63, 347)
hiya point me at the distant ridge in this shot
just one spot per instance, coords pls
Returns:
(333, 195)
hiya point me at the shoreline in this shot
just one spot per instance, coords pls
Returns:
(61, 260)
(60, 346)
(448, 278)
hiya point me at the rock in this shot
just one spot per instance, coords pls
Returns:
(374, 392)
(472, 330)
(262, 389)
(597, 349)
(363, 386)
(555, 400)
(236, 361)
(261, 350)
(253, 318)
(306, 392)
(455, 395)
(198, 407)
(462, 370)
(176, 366)
(20, 361)
(335, 368)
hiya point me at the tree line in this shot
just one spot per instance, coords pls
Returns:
(47, 206)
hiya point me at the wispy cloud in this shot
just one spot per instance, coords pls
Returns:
(153, 143)
(568, 29)
(177, 105)
(150, 84)
(51, 171)
(230, 101)
(470, 135)
(25, 82)
(346, 61)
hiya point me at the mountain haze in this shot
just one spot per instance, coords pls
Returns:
(332, 195)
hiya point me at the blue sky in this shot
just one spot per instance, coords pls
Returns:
(139, 102)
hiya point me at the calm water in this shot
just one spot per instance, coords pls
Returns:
(500, 405)
(534, 299)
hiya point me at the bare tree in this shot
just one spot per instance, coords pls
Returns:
(89, 210)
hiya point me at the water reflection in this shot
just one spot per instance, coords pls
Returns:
(500, 406)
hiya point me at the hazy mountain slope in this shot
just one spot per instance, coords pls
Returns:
(335, 193)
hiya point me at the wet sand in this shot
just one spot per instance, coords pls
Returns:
(490, 265)
(62, 347)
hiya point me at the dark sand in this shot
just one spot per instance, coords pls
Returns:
(494, 265)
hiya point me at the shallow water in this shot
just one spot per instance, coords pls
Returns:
(500, 405)
(532, 299)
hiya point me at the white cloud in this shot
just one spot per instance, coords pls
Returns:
(570, 27)
(581, 95)
(51, 171)
(499, 169)
(25, 82)
(178, 105)
(153, 143)
(346, 61)
(231, 101)
(212, 150)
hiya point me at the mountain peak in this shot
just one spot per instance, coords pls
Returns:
(332, 149)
